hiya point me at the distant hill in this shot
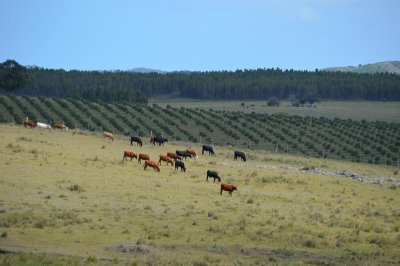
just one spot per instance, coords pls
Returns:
(146, 70)
(381, 67)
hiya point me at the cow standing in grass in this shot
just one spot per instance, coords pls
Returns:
(174, 156)
(129, 154)
(191, 152)
(43, 125)
(180, 164)
(228, 187)
(183, 154)
(209, 149)
(213, 174)
(166, 159)
(137, 140)
(61, 127)
(29, 123)
(143, 156)
(108, 135)
(152, 164)
(239, 154)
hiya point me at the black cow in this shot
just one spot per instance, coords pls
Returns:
(181, 165)
(137, 140)
(213, 174)
(159, 140)
(183, 154)
(240, 154)
(208, 148)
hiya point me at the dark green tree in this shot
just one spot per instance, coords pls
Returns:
(12, 75)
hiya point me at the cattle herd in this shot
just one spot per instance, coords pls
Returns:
(173, 158)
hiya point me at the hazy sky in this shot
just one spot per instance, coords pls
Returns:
(199, 35)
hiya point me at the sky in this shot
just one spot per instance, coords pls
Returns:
(199, 35)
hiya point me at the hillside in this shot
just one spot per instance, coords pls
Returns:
(344, 139)
(381, 67)
(69, 194)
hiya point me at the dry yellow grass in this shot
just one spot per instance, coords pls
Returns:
(70, 193)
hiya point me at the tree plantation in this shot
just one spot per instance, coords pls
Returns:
(359, 141)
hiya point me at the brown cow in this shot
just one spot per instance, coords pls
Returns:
(129, 154)
(108, 135)
(143, 156)
(228, 187)
(166, 159)
(29, 123)
(173, 155)
(60, 127)
(152, 164)
(192, 152)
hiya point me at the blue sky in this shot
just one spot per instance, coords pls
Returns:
(199, 35)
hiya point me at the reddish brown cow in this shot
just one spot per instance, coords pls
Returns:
(192, 152)
(228, 187)
(29, 123)
(60, 127)
(152, 164)
(143, 156)
(129, 154)
(173, 155)
(108, 135)
(166, 159)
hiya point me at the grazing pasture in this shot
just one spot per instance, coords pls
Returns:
(359, 141)
(67, 196)
(355, 110)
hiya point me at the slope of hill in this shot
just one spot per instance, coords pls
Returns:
(381, 67)
(361, 141)
(70, 193)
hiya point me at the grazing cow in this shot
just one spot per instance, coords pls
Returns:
(29, 123)
(228, 187)
(60, 127)
(192, 152)
(143, 156)
(208, 148)
(137, 140)
(166, 159)
(241, 155)
(183, 154)
(108, 135)
(174, 155)
(159, 140)
(152, 164)
(181, 165)
(42, 125)
(213, 174)
(129, 154)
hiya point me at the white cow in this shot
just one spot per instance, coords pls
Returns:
(42, 125)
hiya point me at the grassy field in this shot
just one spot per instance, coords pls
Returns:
(67, 197)
(370, 111)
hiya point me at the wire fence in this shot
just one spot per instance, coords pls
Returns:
(240, 144)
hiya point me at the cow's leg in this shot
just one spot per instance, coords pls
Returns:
(221, 191)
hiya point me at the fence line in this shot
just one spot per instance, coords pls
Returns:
(274, 147)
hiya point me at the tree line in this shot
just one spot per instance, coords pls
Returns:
(126, 86)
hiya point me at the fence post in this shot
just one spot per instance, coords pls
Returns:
(13, 120)
(276, 150)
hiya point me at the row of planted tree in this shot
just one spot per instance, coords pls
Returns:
(360, 141)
